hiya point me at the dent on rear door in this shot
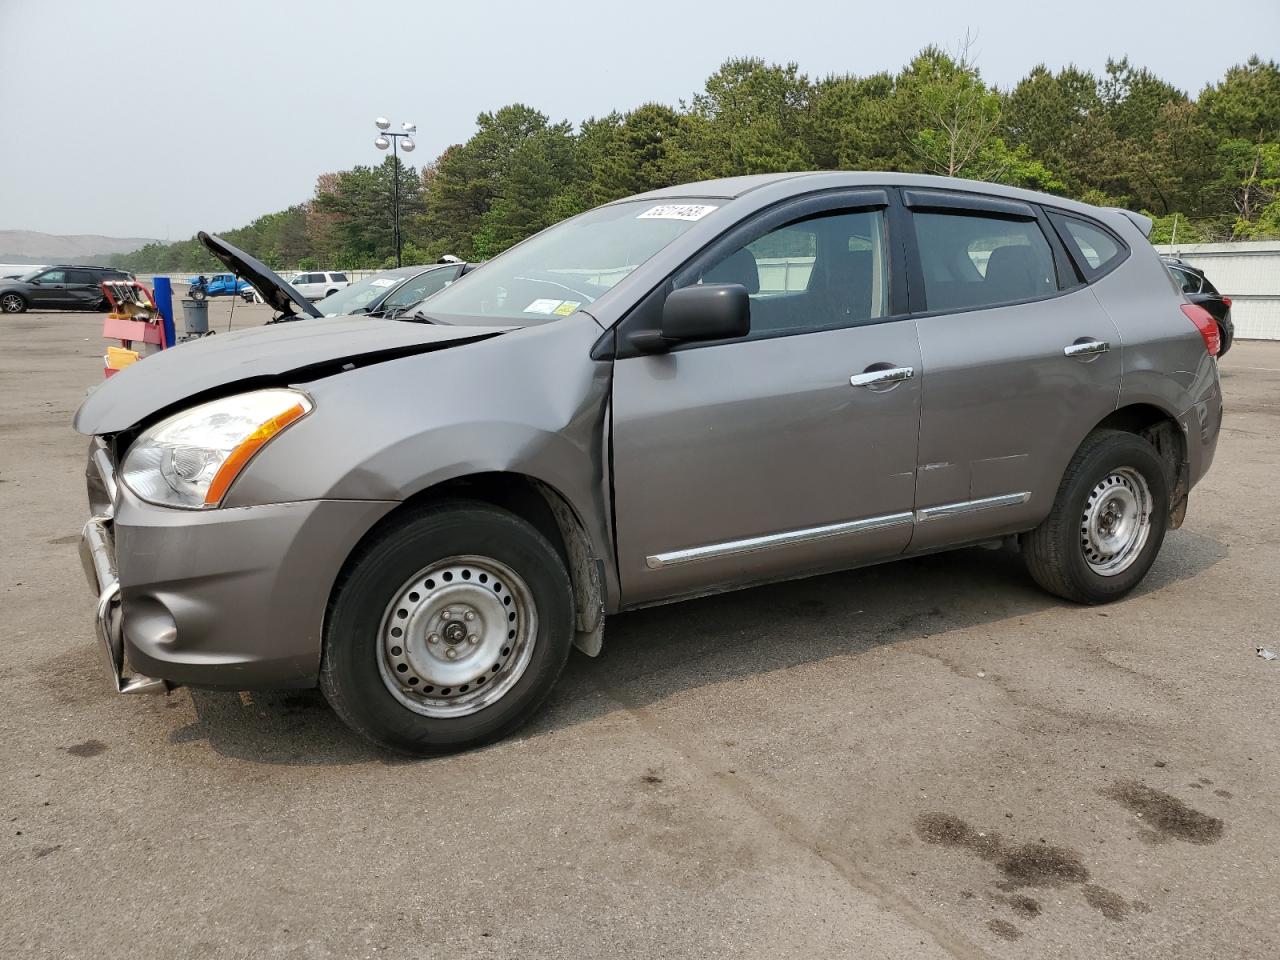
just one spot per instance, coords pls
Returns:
(1004, 410)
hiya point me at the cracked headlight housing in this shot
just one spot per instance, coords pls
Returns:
(191, 459)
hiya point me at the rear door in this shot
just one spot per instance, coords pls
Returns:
(82, 289)
(790, 450)
(1022, 362)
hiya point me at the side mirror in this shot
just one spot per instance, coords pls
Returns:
(707, 311)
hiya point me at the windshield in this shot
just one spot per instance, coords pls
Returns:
(359, 296)
(32, 274)
(568, 266)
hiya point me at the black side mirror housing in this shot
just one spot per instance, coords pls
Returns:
(706, 311)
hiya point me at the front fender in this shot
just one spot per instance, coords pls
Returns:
(531, 402)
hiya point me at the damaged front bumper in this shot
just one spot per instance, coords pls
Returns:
(97, 553)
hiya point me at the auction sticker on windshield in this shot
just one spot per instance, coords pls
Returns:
(385, 281)
(677, 211)
(549, 306)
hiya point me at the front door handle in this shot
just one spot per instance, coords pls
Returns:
(1086, 348)
(879, 378)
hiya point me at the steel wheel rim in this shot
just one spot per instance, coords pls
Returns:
(12, 304)
(1116, 522)
(457, 636)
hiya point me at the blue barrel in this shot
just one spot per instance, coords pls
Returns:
(163, 290)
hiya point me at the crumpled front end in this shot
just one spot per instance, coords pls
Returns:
(228, 598)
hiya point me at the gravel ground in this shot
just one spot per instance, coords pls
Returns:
(925, 759)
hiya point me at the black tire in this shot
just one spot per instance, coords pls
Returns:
(1054, 552)
(13, 303)
(198, 293)
(104, 305)
(1224, 340)
(329, 293)
(350, 676)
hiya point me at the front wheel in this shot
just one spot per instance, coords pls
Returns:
(448, 630)
(198, 293)
(12, 303)
(1107, 523)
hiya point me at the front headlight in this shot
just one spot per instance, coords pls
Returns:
(191, 459)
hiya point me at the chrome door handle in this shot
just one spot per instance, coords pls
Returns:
(876, 378)
(1087, 348)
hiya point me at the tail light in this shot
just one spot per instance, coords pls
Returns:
(1207, 326)
(1227, 301)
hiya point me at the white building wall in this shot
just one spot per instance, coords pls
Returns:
(1248, 273)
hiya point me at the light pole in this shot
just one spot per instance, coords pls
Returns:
(392, 140)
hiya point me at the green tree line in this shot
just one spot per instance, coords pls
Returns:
(1209, 164)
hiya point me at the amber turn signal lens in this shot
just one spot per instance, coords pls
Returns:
(242, 454)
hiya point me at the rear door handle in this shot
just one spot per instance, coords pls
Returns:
(878, 378)
(1086, 348)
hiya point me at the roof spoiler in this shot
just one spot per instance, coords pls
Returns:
(1143, 223)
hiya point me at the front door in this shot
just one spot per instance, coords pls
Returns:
(1021, 363)
(49, 290)
(785, 452)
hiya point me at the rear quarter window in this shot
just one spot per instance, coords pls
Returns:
(1094, 249)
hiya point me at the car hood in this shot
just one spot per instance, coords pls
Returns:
(278, 294)
(262, 356)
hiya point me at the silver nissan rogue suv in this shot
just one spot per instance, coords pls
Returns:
(688, 391)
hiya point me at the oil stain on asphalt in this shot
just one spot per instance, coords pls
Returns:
(1167, 816)
(1046, 865)
(1023, 865)
(90, 748)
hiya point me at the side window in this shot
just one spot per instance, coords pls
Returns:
(338, 277)
(975, 260)
(1093, 246)
(80, 276)
(819, 273)
(53, 276)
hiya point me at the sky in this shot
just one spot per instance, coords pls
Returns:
(157, 118)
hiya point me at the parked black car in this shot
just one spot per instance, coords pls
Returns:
(64, 287)
(1203, 293)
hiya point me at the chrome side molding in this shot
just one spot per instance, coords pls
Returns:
(942, 511)
(714, 551)
(769, 541)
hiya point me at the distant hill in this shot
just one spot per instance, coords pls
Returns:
(28, 246)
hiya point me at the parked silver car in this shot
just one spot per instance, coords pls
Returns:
(688, 391)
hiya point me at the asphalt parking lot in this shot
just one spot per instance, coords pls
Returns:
(925, 759)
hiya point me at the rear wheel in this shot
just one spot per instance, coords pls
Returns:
(13, 303)
(1224, 340)
(1107, 523)
(448, 630)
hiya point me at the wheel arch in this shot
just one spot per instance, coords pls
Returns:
(1163, 431)
(549, 512)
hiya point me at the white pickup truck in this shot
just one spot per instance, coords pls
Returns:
(317, 285)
